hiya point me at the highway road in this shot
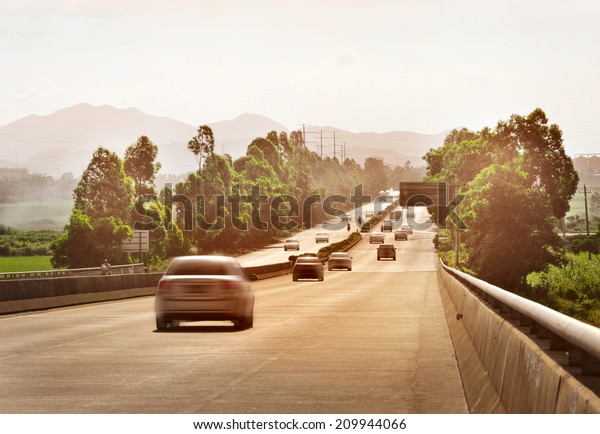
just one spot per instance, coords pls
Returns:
(373, 340)
(336, 229)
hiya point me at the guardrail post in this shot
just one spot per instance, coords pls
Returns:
(575, 356)
(557, 343)
(589, 364)
(524, 321)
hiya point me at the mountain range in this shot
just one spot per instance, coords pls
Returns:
(65, 140)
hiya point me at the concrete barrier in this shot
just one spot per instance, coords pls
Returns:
(271, 270)
(35, 294)
(38, 294)
(502, 368)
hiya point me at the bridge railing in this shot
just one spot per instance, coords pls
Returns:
(91, 271)
(582, 341)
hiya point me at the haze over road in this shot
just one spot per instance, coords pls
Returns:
(373, 340)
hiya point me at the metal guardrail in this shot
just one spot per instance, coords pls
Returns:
(92, 271)
(581, 340)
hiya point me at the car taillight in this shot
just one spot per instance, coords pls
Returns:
(231, 285)
(164, 286)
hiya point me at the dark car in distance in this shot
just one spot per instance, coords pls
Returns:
(386, 226)
(386, 251)
(308, 267)
(400, 236)
(339, 261)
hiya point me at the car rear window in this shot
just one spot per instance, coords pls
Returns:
(308, 260)
(192, 268)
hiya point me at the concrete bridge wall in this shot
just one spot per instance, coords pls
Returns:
(502, 369)
(36, 294)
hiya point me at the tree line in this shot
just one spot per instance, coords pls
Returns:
(226, 206)
(516, 182)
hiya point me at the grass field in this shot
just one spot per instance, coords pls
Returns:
(577, 204)
(24, 263)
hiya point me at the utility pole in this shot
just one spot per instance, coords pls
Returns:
(344, 153)
(333, 143)
(303, 136)
(321, 147)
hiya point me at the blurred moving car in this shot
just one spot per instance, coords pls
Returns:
(308, 267)
(387, 251)
(322, 237)
(339, 261)
(291, 244)
(400, 235)
(376, 237)
(204, 288)
(407, 228)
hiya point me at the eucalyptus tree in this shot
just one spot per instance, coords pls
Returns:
(517, 182)
(203, 143)
(141, 165)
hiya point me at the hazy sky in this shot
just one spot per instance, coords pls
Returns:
(415, 65)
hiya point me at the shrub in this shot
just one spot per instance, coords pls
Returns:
(340, 246)
(573, 289)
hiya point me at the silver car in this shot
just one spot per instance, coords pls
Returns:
(407, 228)
(204, 288)
(322, 237)
(291, 244)
(339, 261)
(376, 237)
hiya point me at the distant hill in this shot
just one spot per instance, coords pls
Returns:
(395, 147)
(65, 140)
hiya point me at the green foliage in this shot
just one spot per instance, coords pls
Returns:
(340, 246)
(517, 181)
(573, 288)
(140, 165)
(504, 243)
(202, 143)
(375, 176)
(97, 226)
(24, 263)
(87, 244)
(222, 196)
(587, 244)
(15, 242)
(104, 189)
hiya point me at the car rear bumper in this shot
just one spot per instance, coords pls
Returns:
(188, 308)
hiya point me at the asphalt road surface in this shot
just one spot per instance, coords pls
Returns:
(373, 340)
(336, 229)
